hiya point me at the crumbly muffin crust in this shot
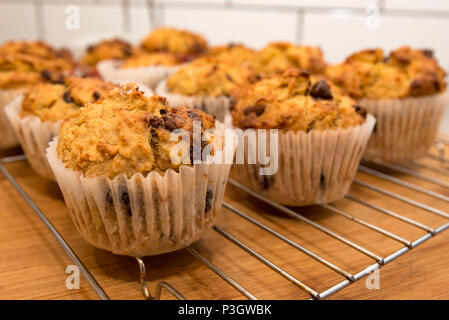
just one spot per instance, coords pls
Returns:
(108, 49)
(181, 42)
(280, 56)
(295, 100)
(126, 133)
(210, 77)
(58, 101)
(151, 59)
(232, 54)
(23, 63)
(406, 72)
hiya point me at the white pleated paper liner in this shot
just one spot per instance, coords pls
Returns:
(110, 70)
(141, 216)
(217, 106)
(34, 136)
(314, 168)
(406, 128)
(8, 138)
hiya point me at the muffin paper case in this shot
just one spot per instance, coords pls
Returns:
(8, 138)
(406, 128)
(313, 168)
(110, 70)
(141, 216)
(34, 136)
(217, 106)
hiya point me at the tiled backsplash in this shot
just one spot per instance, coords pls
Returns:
(338, 26)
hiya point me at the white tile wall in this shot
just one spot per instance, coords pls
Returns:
(338, 32)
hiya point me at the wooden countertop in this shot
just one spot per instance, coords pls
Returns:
(32, 263)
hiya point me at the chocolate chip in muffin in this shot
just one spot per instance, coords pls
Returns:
(257, 109)
(67, 98)
(96, 95)
(90, 48)
(321, 90)
(322, 182)
(428, 52)
(229, 77)
(361, 111)
(127, 51)
(109, 200)
(124, 199)
(209, 198)
(169, 122)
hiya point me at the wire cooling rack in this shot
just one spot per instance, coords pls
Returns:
(388, 172)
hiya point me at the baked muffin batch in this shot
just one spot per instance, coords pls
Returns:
(127, 163)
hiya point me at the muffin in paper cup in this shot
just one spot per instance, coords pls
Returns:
(34, 136)
(8, 138)
(136, 212)
(406, 128)
(111, 70)
(142, 216)
(405, 91)
(304, 138)
(217, 106)
(34, 132)
(313, 168)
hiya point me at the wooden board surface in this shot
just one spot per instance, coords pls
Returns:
(32, 263)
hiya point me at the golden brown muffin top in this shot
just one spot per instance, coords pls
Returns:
(209, 77)
(232, 54)
(24, 63)
(404, 73)
(126, 132)
(184, 43)
(108, 49)
(280, 56)
(58, 101)
(151, 59)
(294, 100)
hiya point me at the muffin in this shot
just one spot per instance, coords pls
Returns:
(280, 56)
(232, 54)
(316, 138)
(37, 115)
(206, 83)
(109, 49)
(23, 64)
(124, 190)
(146, 68)
(405, 90)
(185, 44)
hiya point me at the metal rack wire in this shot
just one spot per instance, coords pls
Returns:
(348, 277)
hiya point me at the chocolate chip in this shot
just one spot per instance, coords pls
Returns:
(155, 122)
(322, 182)
(96, 95)
(361, 111)
(229, 77)
(428, 52)
(163, 111)
(193, 115)
(46, 74)
(169, 123)
(90, 48)
(109, 200)
(127, 51)
(124, 199)
(209, 198)
(257, 109)
(67, 98)
(321, 90)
